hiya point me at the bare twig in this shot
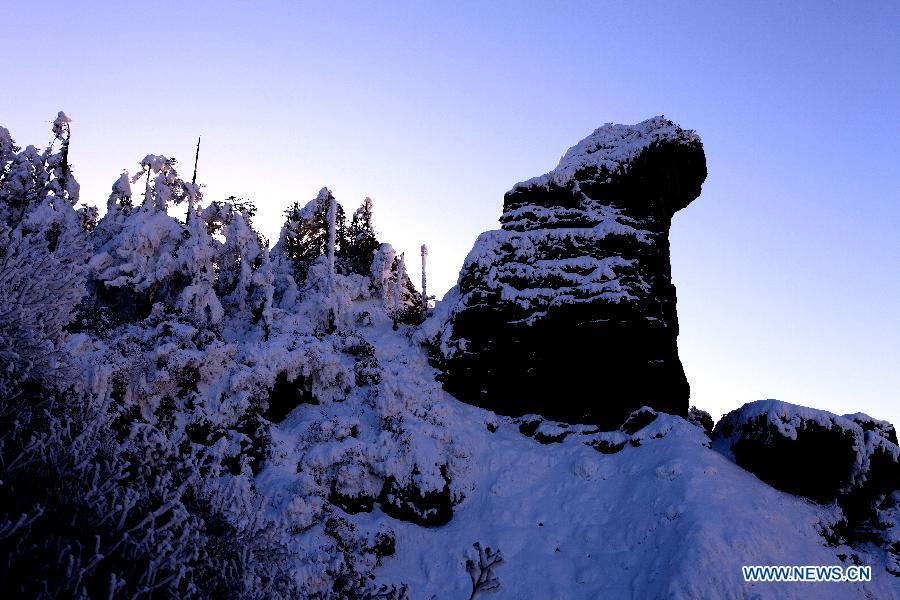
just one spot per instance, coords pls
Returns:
(483, 578)
(196, 160)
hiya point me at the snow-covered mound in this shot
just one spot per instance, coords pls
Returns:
(582, 256)
(648, 510)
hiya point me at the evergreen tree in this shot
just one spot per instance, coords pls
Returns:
(304, 235)
(361, 241)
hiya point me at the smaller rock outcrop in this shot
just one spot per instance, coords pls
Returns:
(852, 460)
(812, 453)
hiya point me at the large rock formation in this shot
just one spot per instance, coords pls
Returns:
(569, 310)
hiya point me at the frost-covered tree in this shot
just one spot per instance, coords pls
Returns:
(143, 256)
(424, 252)
(43, 253)
(244, 272)
(195, 265)
(304, 235)
(163, 187)
(331, 216)
(399, 277)
(401, 300)
(128, 451)
(362, 242)
(383, 277)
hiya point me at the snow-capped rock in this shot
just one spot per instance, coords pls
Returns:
(569, 309)
(811, 452)
(850, 461)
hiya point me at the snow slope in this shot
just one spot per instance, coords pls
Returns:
(668, 518)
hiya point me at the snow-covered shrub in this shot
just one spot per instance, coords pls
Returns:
(143, 256)
(481, 571)
(701, 419)
(42, 256)
(196, 364)
(104, 494)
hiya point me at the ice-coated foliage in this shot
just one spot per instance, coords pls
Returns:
(144, 360)
(42, 254)
(305, 234)
(104, 494)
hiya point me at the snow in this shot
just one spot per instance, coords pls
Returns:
(60, 123)
(511, 268)
(647, 511)
(610, 148)
(667, 518)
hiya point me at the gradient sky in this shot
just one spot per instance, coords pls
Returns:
(786, 266)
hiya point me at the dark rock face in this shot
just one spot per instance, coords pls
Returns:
(429, 509)
(812, 453)
(852, 460)
(568, 311)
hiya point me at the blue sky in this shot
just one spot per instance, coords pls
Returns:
(786, 266)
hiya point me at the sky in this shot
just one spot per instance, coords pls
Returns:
(787, 266)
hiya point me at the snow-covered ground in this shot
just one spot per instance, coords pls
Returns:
(665, 517)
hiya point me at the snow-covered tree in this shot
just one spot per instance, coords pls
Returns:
(401, 300)
(43, 253)
(245, 276)
(196, 266)
(304, 235)
(163, 187)
(129, 449)
(144, 256)
(383, 278)
(331, 216)
(361, 241)
(399, 277)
